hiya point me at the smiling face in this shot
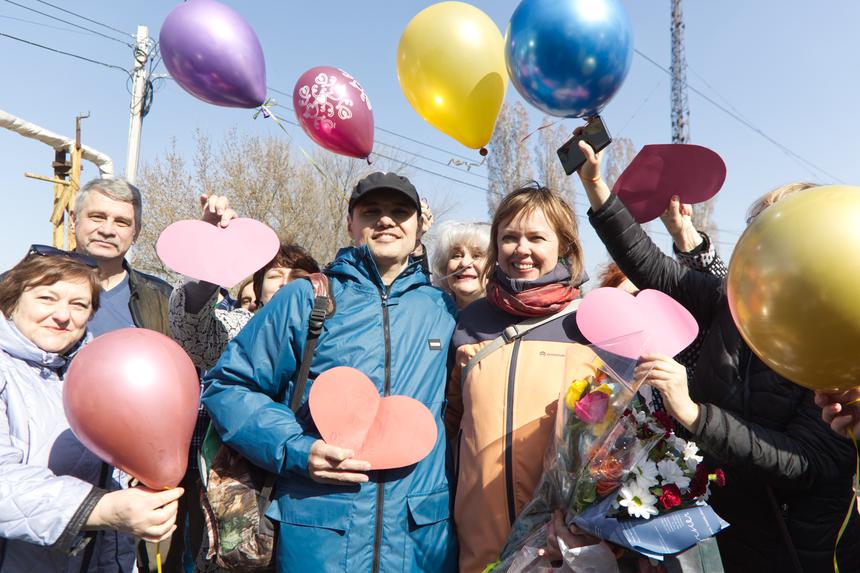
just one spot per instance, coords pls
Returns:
(528, 246)
(467, 261)
(387, 222)
(54, 317)
(104, 227)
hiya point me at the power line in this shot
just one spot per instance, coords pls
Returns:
(84, 18)
(64, 53)
(69, 23)
(377, 154)
(731, 114)
(42, 24)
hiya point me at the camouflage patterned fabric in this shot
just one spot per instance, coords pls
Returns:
(238, 535)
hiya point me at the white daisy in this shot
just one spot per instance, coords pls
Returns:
(640, 416)
(638, 501)
(672, 473)
(646, 474)
(691, 456)
(676, 443)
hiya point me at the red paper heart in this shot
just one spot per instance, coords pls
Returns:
(220, 255)
(390, 432)
(631, 326)
(658, 172)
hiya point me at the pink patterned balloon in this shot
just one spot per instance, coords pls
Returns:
(334, 111)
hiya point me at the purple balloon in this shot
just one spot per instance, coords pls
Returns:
(334, 111)
(212, 52)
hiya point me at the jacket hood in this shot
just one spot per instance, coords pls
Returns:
(15, 344)
(358, 264)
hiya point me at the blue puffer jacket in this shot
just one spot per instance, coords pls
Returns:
(401, 519)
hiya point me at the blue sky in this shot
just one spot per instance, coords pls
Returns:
(788, 68)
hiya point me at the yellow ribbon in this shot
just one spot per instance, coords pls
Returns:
(854, 499)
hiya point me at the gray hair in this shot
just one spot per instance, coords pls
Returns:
(117, 189)
(453, 234)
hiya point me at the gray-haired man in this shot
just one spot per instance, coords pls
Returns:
(106, 221)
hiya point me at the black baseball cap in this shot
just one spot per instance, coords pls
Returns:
(382, 180)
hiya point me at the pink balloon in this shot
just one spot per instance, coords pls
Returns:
(334, 111)
(389, 432)
(131, 397)
(631, 326)
(219, 255)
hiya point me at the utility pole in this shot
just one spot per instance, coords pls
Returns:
(680, 109)
(138, 94)
(702, 212)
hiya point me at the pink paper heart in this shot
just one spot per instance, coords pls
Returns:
(220, 255)
(631, 326)
(390, 432)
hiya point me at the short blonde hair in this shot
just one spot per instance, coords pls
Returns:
(453, 234)
(775, 195)
(527, 200)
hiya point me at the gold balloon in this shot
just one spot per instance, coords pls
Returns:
(451, 67)
(794, 287)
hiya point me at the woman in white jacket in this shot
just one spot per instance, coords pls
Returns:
(53, 491)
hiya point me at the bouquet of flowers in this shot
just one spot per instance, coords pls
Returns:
(612, 467)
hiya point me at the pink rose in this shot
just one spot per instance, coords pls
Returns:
(592, 407)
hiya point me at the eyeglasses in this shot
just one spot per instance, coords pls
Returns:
(49, 251)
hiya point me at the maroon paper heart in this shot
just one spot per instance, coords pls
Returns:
(631, 326)
(221, 255)
(390, 432)
(658, 172)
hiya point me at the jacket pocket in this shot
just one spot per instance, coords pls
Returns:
(428, 508)
(312, 533)
(322, 511)
(431, 544)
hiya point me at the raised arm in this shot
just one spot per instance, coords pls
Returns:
(637, 256)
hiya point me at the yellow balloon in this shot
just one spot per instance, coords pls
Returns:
(451, 67)
(794, 287)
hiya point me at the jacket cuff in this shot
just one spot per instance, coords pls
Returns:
(298, 452)
(704, 418)
(701, 248)
(612, 217)
(70, 540)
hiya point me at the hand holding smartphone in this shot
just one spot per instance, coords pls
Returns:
(594, 133)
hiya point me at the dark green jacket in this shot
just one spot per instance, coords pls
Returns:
(148, 300)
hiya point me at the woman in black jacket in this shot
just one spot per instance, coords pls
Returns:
(788, 477)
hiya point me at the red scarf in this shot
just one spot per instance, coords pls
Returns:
(539, 301)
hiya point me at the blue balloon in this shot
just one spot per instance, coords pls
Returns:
(569, 57)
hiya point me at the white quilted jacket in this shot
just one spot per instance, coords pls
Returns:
(46, 474)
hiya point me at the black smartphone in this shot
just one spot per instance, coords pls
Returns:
(594, 133)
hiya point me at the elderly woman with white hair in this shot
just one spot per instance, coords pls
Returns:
(458, 259)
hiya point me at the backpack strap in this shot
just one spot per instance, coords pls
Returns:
(323, 308)
(513, 332)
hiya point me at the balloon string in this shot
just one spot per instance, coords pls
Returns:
(265, 109)
(158, 556)
(854, 498)
(540, 128)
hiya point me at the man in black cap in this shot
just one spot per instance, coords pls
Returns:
(334, 511)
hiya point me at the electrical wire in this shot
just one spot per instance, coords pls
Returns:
(85, 18)
(746, 123)
(123, 70)
(69, 23)
(42, 24)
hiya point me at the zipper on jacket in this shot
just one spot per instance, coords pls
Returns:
(380, 484)
(509, 434)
